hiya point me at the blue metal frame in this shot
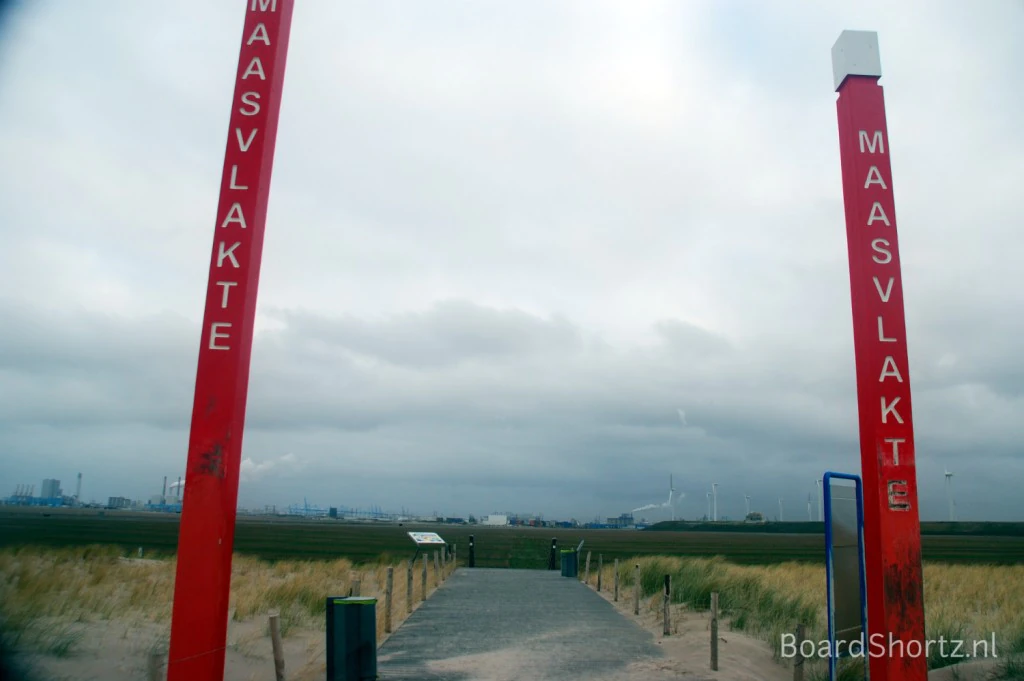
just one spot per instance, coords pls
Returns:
(826, 480)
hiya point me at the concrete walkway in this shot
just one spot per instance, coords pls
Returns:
(505, 625)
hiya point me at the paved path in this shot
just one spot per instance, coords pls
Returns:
(505, 625)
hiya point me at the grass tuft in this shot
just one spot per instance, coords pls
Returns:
(49, 595)
(964, 603)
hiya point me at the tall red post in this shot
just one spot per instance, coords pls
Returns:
(892, 530)
(206, 538)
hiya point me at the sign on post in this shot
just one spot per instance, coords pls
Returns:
(891, 524)
(206, 536)
(844, 572)
(426, 538)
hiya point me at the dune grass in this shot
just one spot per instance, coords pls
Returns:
(966, 603)
(47, 596)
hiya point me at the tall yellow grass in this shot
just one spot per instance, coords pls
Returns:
(44, 592)
(98, 583)
(965, 602)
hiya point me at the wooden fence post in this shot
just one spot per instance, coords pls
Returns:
(714, 631)
(586, 574)
(356, 585)
(600, 567)
(275, 642)
(408, 589)
(636, 591)
(388, 585)
(423, 596)
(616, 580)
(798, 662)
(437, 571)
(666, 599)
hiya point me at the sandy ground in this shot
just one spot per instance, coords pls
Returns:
(740, 657)
(119, 651)
(688, 648)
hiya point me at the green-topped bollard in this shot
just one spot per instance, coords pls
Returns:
(351, 639)
(569, 563)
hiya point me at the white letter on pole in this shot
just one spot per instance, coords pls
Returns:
(214, 335)
(262, 36)
(879, 246)
(255, 67)
(890, 409)
(872, 144)
(246, 97)
(234, 215)
(888, 289)
(878, 213)
(230, 253)
(895, 442)
(234, 179)
(874, 177)
(226, 285)
(881, 334)
(244, 146)
(889, 369)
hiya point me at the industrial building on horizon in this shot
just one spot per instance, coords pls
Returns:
(51, 495)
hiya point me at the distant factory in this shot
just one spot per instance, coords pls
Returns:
(51, 495)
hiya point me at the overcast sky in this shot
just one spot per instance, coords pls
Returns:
(506, 243)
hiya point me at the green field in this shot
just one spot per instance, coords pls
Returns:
(288, 538)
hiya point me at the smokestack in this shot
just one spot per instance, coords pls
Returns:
(78, 488)
(163, 495)
(178, 495)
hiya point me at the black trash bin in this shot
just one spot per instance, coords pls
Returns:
(569, 563)
(351, 639)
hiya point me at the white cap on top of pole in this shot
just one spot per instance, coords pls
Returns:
(855, 53)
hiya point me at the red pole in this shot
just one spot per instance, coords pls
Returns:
(206, 538)
(892, 529)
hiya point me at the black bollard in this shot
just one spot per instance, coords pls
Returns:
(472, 552)
(552, 557)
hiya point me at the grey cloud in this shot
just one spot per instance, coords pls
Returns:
(452, 331)
(567, 416)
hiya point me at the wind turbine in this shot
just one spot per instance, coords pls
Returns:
(747, 498)
(821, 512)
(714, 501)
(810, 516)
(670, 504)
(671, 492)
(949, 494)
(780, 509)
